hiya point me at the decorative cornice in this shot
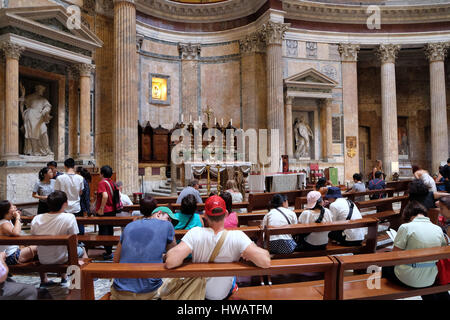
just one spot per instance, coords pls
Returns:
(85, 69)
(273, 33)
(349, 52)
(129, 1)
(436, 51)
(387, 53)
(189, 51)
(11, 50)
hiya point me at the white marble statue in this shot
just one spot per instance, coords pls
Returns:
(302, 133)
(35, 117)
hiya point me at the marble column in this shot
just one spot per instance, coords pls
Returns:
(436, 53)
(12, 53)
(349, 58)
(85, 71)
(125, 102)
(289, 130)
(387, 54)
(327, 138)
(189, 54)
(273, 33)
(73, 111)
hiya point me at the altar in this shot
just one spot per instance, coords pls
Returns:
(277, 182)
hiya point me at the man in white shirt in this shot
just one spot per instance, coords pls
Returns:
(202, 241)
(56, 222)
(340, 210)
(72, 184)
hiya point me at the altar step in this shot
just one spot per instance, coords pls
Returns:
(164, 190)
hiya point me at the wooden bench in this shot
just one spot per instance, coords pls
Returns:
(398, 186)
(324, 265)
(175, 206)
(382, 204)
(261, 201)
(70, 241)
(367, 246)
(355, 287)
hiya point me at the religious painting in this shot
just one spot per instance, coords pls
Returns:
(350, 143)
(403, 142)
(159, 89)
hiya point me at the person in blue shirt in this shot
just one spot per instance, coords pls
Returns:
(192, 188)
(377, 184)
(144, 241)
(187, 218)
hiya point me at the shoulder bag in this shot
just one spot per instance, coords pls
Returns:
(189, 288)
(297, 237)
(443, 266)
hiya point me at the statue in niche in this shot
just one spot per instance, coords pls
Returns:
(302, 133)
(35, 117)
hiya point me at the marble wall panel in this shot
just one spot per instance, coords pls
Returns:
(29, 3)
(161, 48)
(220, 50)
(2, 105)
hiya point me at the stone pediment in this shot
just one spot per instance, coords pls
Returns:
(311, 79)
(48, 24)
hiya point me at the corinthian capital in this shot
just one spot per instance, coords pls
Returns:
(436, 51)
(85, 69)
(11, 50)
(189, 51)
(349, 51)
(387, 53)
(273, 32)
(251, 43)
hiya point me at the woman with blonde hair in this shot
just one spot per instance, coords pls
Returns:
(232, 188)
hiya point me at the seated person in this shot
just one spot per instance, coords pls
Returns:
(417, 233)
(144, 241)
(192, 188)
(55, 223)
(236, 195)
(341, 210)
(377, 184)
(322, 186)
(187, 218)
(280, 215)
(231, 220)
(201, 242)
(358, 186)
(14, 254)
(314, 213)
(419, 191)
(11, 290)
(444, 205)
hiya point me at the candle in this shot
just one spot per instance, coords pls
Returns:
(231, 121)
(222, 122)
(181, 118)
(190, 118)
(215, 121)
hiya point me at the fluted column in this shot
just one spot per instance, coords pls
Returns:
(85, 71)
(125, 103)
(273, 33)
(12, 53)
(289, 138)
(73, 111)
(387, 54)
(189, 54)
(439, 127)
(327, 130)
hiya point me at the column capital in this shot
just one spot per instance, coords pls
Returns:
(436, 51)
(348, 51)
(273, 32)
(252, 43)
(73, 72)
(85, 69)
(387, 53)
(11, 50)
(126, 1)
(189, 51)
(289, 100)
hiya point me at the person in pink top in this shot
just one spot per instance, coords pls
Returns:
(231, 220)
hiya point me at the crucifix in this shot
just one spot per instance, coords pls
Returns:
(209, 114)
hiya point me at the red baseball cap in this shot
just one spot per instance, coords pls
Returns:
(212, 204)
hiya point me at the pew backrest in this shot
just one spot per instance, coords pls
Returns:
(261, 201)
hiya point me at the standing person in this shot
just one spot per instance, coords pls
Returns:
(358, 186)
(378, 167)
(43, 188)
(53, 165)
(73, 185)
(341, 210)
(231, 220)
(377, 184)
(425, 177)
(417, 233)
(192, 188)
(446, 175)
(144, 241)
(314, 213)
(10, 290)
(108, 204)
(280, 215)
(187, 218)
(200, 242)
(55, 223)
(85, 198)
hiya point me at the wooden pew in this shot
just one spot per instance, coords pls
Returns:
(398, 186)
(368, 245)
(255, 218)
(382, 204)
(324, 265)
(261, 201)
(301, 201)
(355, 287)
(114, 221)
(70, 241)
(175, 206)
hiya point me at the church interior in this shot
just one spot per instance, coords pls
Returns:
(262, 97)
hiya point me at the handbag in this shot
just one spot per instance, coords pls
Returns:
(117, 204)
(189, 288)
(443, 266)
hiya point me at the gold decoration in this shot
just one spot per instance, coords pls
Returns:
(159, 89)
(351, 146)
